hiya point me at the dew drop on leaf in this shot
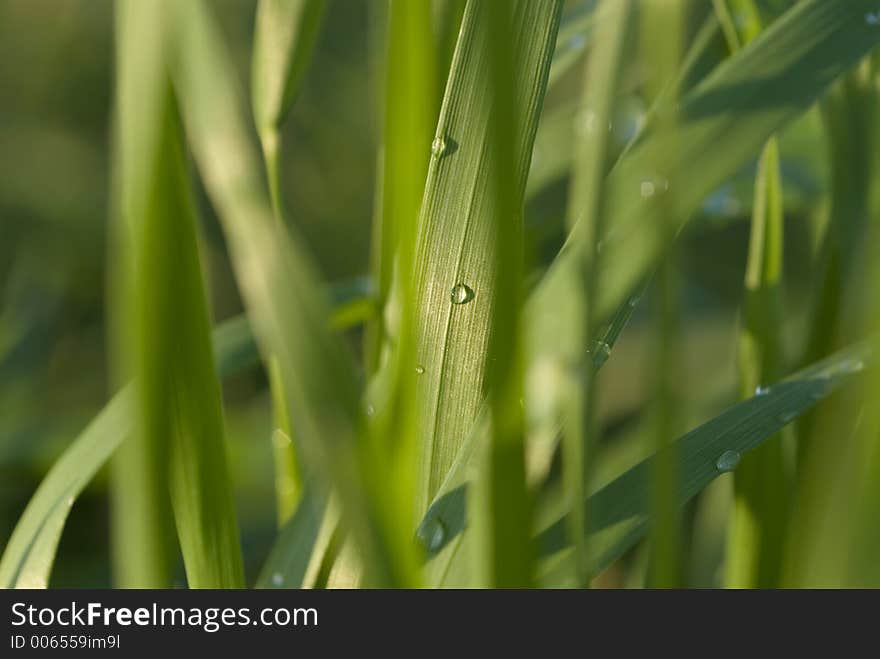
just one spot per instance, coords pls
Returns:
(461, 294)
(727, 461)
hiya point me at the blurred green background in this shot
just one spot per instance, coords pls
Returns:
(56, 72)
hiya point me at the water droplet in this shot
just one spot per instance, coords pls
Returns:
(370, 410)
(277, 579)
(787, 417)
(577, 41)
(432, 534)
(647, 189)
(849, 366)
(600, 351)
(761, 390)
(420, 369)
(280, 438)
(438, 147)
(461, 294)
(728, 461)
(69, 502)
(634, 301)
(872, 18)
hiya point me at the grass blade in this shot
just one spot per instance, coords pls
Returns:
(588, 172)
(178, 394)
(454, 252)
(285, 33)
(284, 37)
(762, 484)
(28, 556)
(143, 545)
(283, 296)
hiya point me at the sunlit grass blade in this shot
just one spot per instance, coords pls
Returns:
(455, 258)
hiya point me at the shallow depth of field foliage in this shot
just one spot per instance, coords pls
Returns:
(439, 293)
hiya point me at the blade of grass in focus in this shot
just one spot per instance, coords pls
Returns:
(585, 202)
(282, 293)
(718, 143)
(143, 546)
(763, 482)
(455, 258)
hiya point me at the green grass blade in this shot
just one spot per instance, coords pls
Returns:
(621, 510)
(143, 546)
(661, 40)
(297, 555)
(29, 554)
(284, 37)
(285, 33)
(282, 293)
(179, 398)
(585, 202)
(725, 120)
(762, 484)
(454, 253)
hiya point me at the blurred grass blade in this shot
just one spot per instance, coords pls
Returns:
(585, 202)
(178, 394)
(282, 293)
(724, 121)
(661, 42)
(285, 33)
(297, 555)
(455, 257)
(621, 508)
(762, 484)
(503, 509)
(620, 511)
(410, 114)
(29, 555)
(284, 37)
(143, 543)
